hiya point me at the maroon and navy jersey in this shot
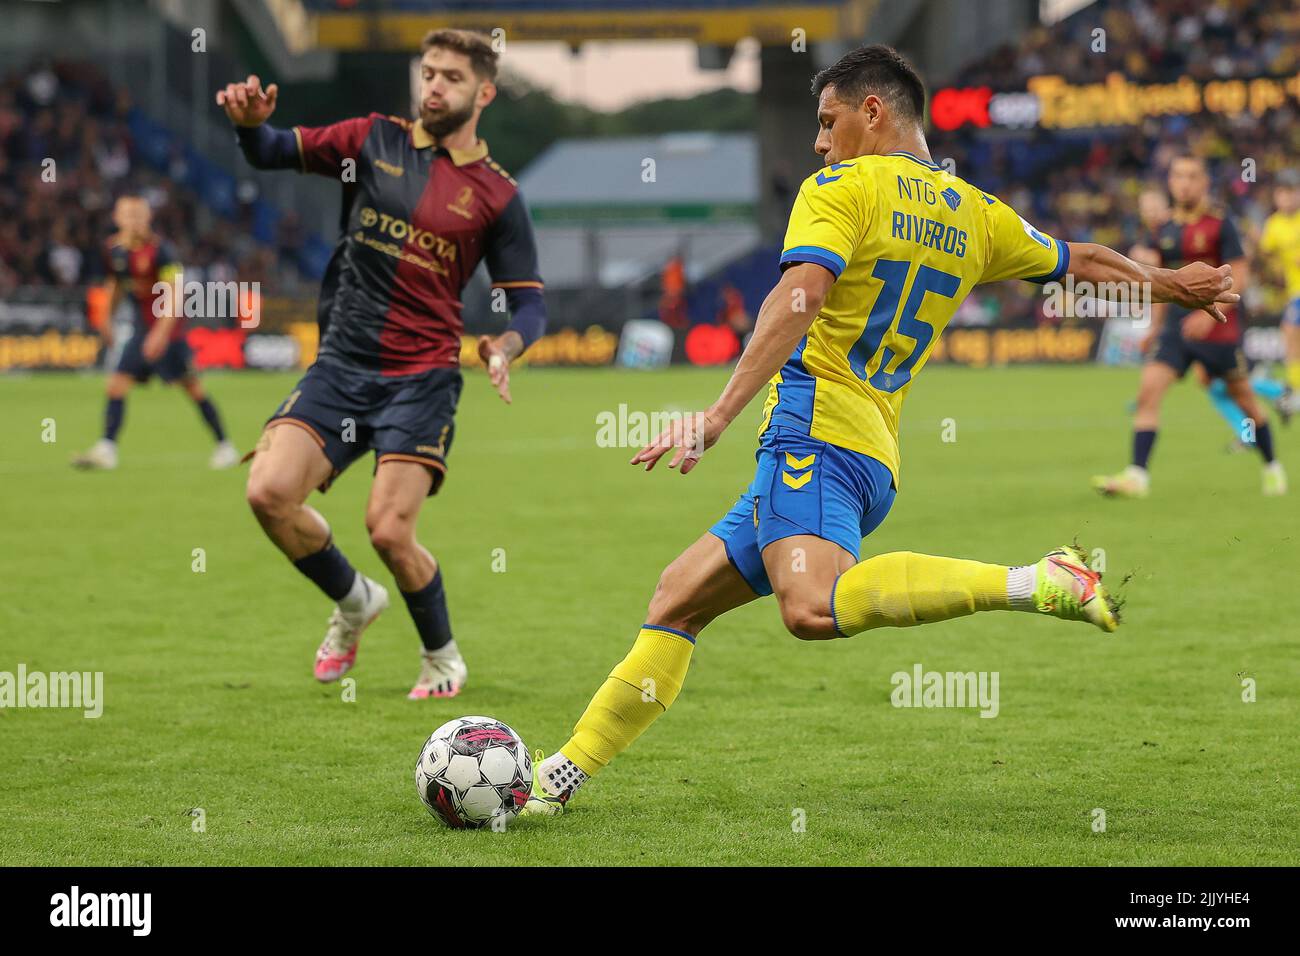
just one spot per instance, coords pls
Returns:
(417, 219)
(1205, 238)
(138, 269)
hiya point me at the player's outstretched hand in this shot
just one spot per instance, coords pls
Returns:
(1207, 287)
(497, 363)
(247, 104)
(692, 435)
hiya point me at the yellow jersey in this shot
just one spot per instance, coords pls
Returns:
(1280, 241)
(906, 242)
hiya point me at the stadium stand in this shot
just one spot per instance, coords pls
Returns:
(1078, 183)
(52, 232)
(1083, 184)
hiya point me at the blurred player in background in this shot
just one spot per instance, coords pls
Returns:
(1180, 337)
(138, 263)
(882, 247)
(1154, 214)
(423, 203)
(1279, 254)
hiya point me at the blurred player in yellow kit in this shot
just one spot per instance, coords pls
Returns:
(1279, 249)
(882, 247)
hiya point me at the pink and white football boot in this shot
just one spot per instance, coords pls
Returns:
(338, 652)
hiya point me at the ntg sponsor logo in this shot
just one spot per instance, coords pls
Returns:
(922, 688)
(83, 690)
(75, 908)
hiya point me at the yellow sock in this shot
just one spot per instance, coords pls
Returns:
(1293, 374)
(903, 588)
(638, 690)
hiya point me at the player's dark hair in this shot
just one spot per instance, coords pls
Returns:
(877, 69)
(476, 46)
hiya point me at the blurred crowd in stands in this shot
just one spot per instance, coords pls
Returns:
(1080, 185)
(66, 153)
(1152, 41)
(1083, 186)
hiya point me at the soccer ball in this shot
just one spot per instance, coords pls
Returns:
(474, 772)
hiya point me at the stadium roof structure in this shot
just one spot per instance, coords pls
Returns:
(668, 178)
(400, 24)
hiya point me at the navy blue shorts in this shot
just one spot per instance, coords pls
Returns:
(1221, 359)
(400, 418)
(174, 364)
(803, 486)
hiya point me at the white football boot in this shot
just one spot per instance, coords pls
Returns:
(101, 457)
(442, 673)
(1132, 482)
(1274, 479)
(223, 456)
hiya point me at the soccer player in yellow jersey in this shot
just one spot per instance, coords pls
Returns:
(882, 247)
(1279, 247)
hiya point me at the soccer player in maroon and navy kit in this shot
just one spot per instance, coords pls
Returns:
(139, 264)
(1179, 338)
(423, 203)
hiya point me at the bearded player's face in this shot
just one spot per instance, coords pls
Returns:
(450, 92)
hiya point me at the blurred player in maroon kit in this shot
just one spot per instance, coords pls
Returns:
(1154, 214)
(138, 261)
(1179, 338)
(423, 204)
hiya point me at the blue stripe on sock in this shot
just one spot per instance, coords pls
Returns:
(669, 630)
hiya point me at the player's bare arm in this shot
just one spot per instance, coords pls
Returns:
(1157, 323)
(1194, 286)
(1148, 256)
(1141, 252)
(113, 292)
(155, 342)
(784, 318)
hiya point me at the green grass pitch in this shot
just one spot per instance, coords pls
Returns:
(209, 700)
